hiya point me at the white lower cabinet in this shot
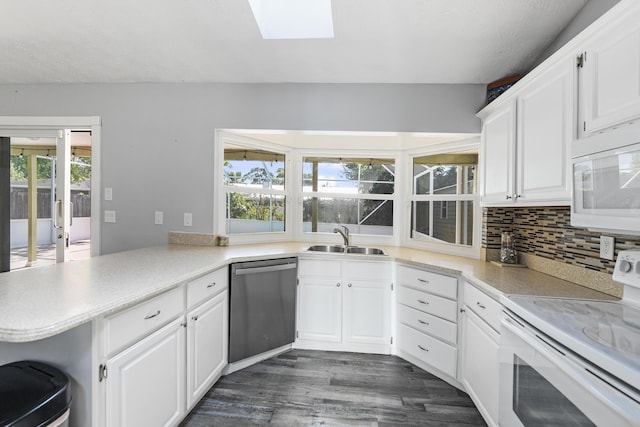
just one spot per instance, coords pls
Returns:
(480, 344)
(146, 382)
(207, 342)
(344, 305)
(427, 319)
(162, 355)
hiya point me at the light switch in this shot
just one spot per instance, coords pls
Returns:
(109, 216)
(108, 193)
(188, 219)
(158, 217)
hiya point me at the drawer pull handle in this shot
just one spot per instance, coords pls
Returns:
(480, 305)
(420, 279)
(195, 318)
(422, 348)
(211, 285)
(151, 316)
(423, 302)
(423, 322)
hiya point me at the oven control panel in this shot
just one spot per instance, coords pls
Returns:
(627, 269)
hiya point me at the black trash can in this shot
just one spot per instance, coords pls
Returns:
(33, 394)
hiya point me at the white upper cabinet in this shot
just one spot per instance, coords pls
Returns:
(498, 145)
(525, 142)
(545, 111)
(610, 74)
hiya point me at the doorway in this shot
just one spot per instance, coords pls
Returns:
(52, 176)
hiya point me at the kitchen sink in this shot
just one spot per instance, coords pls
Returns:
(365, 251)
(346, 250)
(326, 248)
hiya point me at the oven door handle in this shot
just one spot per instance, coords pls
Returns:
(580, 373)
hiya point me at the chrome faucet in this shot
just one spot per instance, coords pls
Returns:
(344, 234)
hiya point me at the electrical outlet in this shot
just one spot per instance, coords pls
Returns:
(607, 247)
(108, 193)
(109, 216)
(188, 219)
(158, 217)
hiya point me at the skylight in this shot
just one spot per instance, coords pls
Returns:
(293, 19)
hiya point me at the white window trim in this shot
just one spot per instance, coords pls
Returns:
(356, 239)
(219, 213)
(472, 251)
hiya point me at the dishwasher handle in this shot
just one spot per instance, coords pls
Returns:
(266, 269)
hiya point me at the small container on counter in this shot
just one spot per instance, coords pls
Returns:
(222, 240)
(508, 254)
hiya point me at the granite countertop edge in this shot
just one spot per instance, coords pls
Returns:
(43, 302)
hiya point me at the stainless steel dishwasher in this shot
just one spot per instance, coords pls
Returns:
(262, 313)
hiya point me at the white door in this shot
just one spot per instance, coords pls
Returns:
(609, 79)
(145, 385)
(498, 146)
(319, 310)
(207, 338)
(545, 130)
(367, 314)
(62, 208)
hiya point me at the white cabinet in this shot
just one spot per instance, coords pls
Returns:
(480, 344)
(610, 74)
(162, 355)
(207, 333)
(525, 142)
(427, 319)
(146, 382)
(344, 305)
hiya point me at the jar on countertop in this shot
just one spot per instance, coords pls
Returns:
(508, 254)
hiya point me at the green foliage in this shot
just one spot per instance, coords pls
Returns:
(79, 173)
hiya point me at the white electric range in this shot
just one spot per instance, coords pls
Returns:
(573, 362)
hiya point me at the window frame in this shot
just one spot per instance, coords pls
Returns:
(220, 202)
(356, 239)
(472, 251)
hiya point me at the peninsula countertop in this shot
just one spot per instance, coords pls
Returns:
(41, 302)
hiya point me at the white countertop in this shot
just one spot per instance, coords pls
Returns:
(41, 302)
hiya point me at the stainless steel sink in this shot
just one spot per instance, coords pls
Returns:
(365, 251)
(346, 250)
(326, 248)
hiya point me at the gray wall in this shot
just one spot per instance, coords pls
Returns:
(591, 11)
(157, 139)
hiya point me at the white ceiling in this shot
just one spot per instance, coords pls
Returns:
(376, 41)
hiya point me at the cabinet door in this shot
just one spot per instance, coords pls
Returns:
(367, 312)
(498, 145)
(207, 340)
(480, 366)
(610, 77)
(545, 130)
(146, 382)
(320, 310)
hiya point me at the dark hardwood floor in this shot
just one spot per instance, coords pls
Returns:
(328, 388)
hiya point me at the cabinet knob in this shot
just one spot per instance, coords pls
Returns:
(480, 305)
(349, 285)
(211, 285)
(338, 284)
(195, 317)
(508, 197)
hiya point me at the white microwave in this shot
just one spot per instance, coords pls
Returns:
(606, 190)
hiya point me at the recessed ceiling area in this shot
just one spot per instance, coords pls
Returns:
(375, 41)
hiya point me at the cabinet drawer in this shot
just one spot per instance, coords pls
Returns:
(134, 323)
(207, 286)
(426, 281)
(428, 303)
(326, 268)
(431, 351)
(434, 326)
(483, 305)
(373, 271)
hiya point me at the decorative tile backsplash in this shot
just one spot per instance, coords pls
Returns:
(547, 232)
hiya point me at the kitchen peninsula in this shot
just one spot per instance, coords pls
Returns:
(50, 313)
